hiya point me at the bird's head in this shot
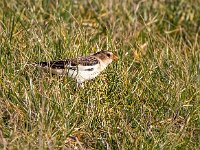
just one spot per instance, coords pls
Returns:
(106, 56)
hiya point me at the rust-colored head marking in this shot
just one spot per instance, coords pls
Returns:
(104, 55)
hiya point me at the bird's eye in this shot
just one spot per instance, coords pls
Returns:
(108, 54)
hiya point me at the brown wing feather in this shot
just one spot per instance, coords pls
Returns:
(62, 64)
(85, 61)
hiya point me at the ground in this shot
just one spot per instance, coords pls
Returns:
(148, 99)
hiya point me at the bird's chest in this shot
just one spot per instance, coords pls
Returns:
(86, 74)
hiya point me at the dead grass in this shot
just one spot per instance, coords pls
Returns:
(149, 99)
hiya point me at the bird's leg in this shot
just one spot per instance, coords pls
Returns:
(79, 85)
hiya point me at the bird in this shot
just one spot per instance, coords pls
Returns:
(80, 68)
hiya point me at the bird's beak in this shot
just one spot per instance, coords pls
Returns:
(114, 58)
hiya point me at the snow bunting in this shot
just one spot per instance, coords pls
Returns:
(80, 68)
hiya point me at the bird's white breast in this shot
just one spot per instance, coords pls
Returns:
(83, 73)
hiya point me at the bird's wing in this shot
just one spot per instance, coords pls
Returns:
(81, 63)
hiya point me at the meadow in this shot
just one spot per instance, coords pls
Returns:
(148, 99)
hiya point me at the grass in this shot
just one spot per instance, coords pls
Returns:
(149, 99)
